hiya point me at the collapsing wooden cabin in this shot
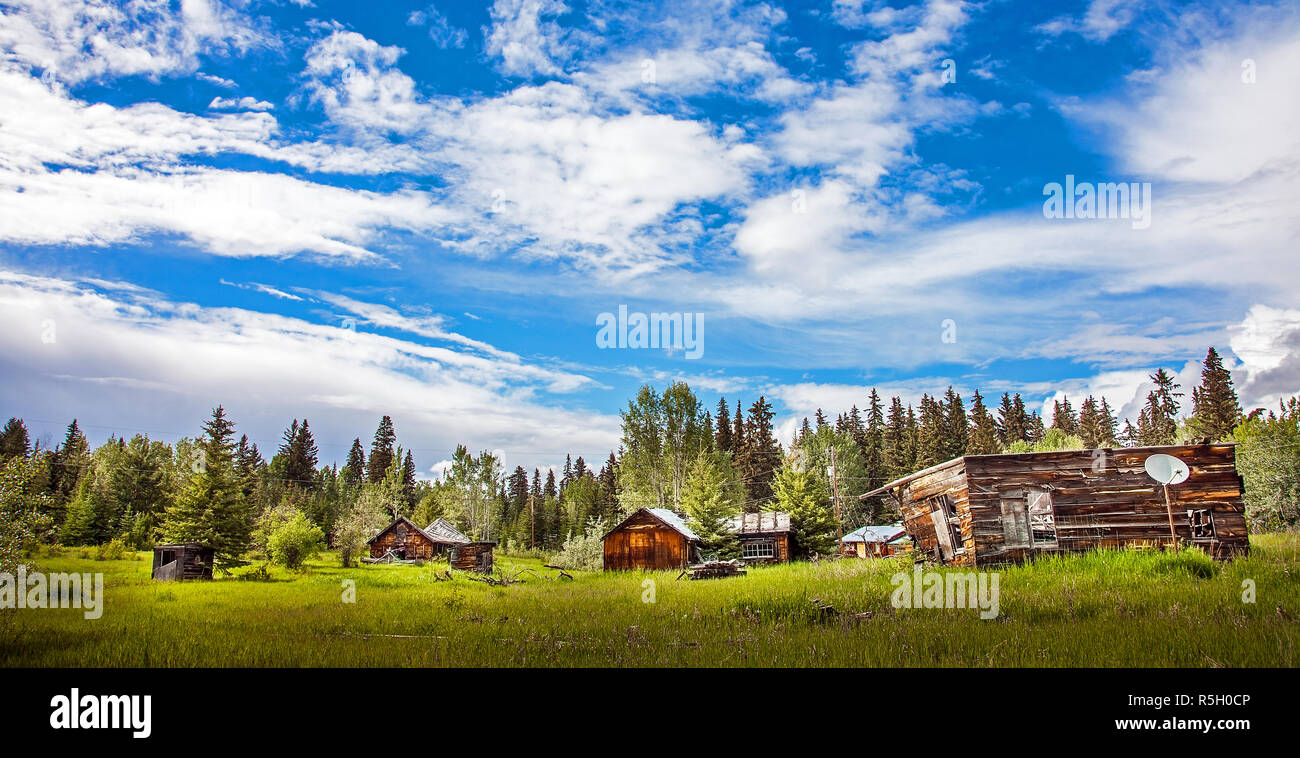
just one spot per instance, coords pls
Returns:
(404, 541)
(982, 509)
(181, 562)
(650, 539)
(764, 537)
(875, 541)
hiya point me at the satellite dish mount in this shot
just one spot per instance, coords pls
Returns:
(1167, 470)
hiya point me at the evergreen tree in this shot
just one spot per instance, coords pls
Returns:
(895, 442)
(298, 457)
(1063, 417)
(983, 429)
(550, 489)
(805, 429)
(381, 451)
(408, 480)
(14, 442)
(211, 510)
(1158, 421)
(722, 437)
(955, 425)
(1215, 410)
(873, 443)
(1107, 426)
(931, 445)
(812, 523)
(737, 436)
(708, 507)
(760, 456)
(71, 460)
(1090, 430)
(912, 452)
(354, 471)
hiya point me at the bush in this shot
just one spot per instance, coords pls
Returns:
(258, 574)
(113, 550)
(584, 552)
(294, 541)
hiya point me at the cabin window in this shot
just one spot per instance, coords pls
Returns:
(1202, 524)
(758, 549)
(1042, 518)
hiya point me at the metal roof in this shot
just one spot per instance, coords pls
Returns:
(672, 519)
(760, 523)
(442, 531)
(883, 533)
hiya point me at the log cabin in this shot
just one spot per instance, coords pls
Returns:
(651, 539)
(875, 541)
(182, 562)
(764, 537)
(988, 509)
(408, 542)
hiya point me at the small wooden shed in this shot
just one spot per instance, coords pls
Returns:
(986, 509)
(764, 537)
(473, 556)
(651, 539)
(188, 560)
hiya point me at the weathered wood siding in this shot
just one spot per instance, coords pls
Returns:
(476, 556)
(182, 562)
(1102, 499)
(404, 536)
(780, 546)
(921, 501)
(644, 543)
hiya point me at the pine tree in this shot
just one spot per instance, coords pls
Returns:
(1158, 421)
(248, 466)
(873, 442)
(408, 480)
(821, 419)
(211, 510)
(71, 459)
(1129, 437)
(895, 441)
(983, 429)
(1215, 410)
(1107, 426)
(1090, 425)
(956, 435)
(805, 429)
(812, 522)
(931, 445)
(707, 507)
(760, 455)
(912, 453)
(381, 451)
(722, 437)
(14, 442)
(299, 457)
(354, 471)
(1063, 417)
(550, 489)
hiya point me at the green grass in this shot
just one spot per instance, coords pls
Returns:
(1100, 609)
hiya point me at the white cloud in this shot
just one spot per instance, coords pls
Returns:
(525, 42)
(244, 103)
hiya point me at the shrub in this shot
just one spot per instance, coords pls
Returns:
(258, 574)
(583, 552)
(113, 550)
(293, 542)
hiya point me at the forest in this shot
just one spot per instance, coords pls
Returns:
(219, 489)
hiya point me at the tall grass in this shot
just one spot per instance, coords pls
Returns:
(1107, 608)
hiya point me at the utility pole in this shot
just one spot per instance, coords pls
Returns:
(835, 496)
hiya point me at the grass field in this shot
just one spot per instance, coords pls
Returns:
(1100, 609)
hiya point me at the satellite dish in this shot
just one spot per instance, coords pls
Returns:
(1166, 469)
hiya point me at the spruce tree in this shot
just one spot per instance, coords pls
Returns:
(14, 442)
(708, 508)
(1158, 421)
(931, 445)
(1107, 426)
(761, 454)
(381, 451)
(956, 435)
(211, 509)
(895, 442)
(354, 471)
(1090, 426)
(983, 429)
(71, 459)
(722, 437)
(1215, 410)
(873, 442)
(812, 522)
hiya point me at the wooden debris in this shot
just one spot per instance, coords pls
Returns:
(715, 569)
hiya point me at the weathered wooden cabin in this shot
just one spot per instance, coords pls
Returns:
(408, 542)
(472, 556)
(983, 509)
(184, 561)
(650, 539)
(764, 537)
(875, 541)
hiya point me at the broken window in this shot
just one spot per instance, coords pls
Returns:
(1202, 524)
(947, 528)
(1042, 518)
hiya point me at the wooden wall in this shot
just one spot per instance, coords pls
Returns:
(182, 562)
(916, 511)
(1110, 505)
(644, 543)
(476, 556)
(418, 545)
(780, 546)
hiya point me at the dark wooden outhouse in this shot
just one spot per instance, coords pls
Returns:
(183, 561)
(651, 539)
(983, 509)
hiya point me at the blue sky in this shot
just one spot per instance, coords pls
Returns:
(332, 211)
